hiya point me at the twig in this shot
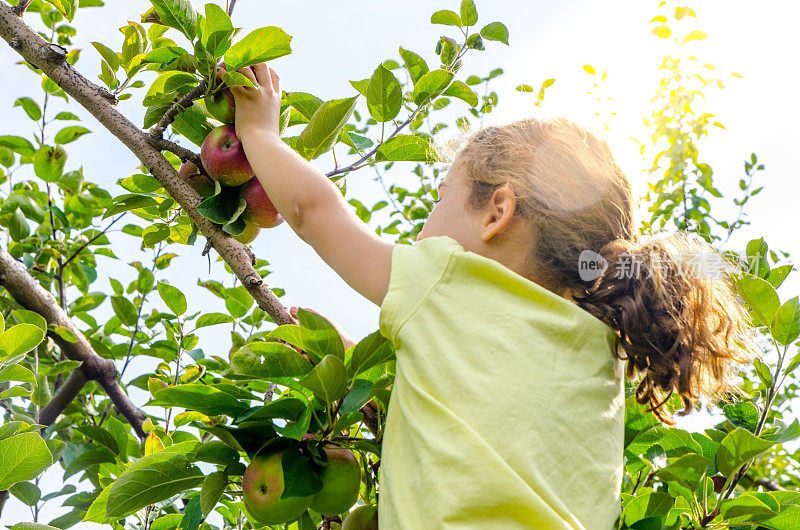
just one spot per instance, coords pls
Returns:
(75, 254)
(20, 8)
(181, 152)
(231, 6)
(62, 398)
(186, 101)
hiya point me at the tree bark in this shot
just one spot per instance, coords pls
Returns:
(62, 398)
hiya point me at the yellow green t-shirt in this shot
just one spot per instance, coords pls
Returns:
(507, 409)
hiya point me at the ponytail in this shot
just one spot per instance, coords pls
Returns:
(673, 305)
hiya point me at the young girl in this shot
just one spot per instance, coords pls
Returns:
(507, 409)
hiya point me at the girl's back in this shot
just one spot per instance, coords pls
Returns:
(507, 410)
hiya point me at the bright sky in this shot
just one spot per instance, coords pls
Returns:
(334, 42)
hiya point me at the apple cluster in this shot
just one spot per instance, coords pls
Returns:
(263, 485)
(224, 161)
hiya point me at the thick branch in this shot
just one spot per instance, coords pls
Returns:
(32, 296)
(20, 8)
(186, 101)
(62, 398)
(52, 62)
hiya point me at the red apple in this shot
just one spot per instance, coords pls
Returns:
(260, 209)
(197, 180)
(341, 479)
(249, 233)
(263, 485)
(223, 157)
(362, 518)
(221, 105)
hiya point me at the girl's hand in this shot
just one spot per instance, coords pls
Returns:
(257, 108)
(346, 340)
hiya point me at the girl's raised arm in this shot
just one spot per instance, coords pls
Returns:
(311, 204)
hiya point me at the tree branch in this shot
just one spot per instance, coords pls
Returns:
(75, 254)
(186, 101)
(231, 6)
(32, 296)
(181, 152)
(62, 398)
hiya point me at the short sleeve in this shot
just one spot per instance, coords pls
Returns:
(415, 272)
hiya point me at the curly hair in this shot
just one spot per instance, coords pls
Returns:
(683, 329)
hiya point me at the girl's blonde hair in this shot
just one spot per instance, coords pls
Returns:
(682, 329)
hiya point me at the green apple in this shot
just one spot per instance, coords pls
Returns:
(249, 234)
(263, 485)
(341, 479)
(362, 518)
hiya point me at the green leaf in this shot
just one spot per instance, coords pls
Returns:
(101, 436)
(70, 134)
(686, 470)
(786, 325)
(216, 452)
(22, 457)
(263, 44)
(287, 408)
(26, 492)
(495, 31)
(328, 379)
(409, 148)
(236, 79)
(224, 207)
(212, 489)
(152, 479)
(178, 14)
(792, 365)
(371, 351)
(17, 372)
(212, 319)
(430, 85)
(747, 505)
(18, 227)
(648, 504)
(323, 130)
(763, 372)
(35, 526)
(23, 316)
(20, 339)
(760, 296)
(66, 7)
(384, 95)
(737, 448)
(447, 18)
(742, 414)
(109, 55)
(461, 91)
(265, 360)
(97, 511)
(48, 163)
(305, 480)
(416, 65)
(87, 459)
(200, 397)
(357, 397)
(192, 124)
(319, 335)
(173, 297)
(469, 14)
(217, 30)
(30, 106)
(778, 274)
(125, 310)
(18, 145)
(305, 103)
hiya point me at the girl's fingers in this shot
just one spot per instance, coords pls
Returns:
(262, 74)
(276, 81)
(249, 74)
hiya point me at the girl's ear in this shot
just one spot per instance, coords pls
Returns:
(498, 212)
